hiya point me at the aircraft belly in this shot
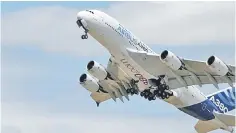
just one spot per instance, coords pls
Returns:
(202, 111)
(189, 96)
(117, 46)
(134, 71)
(195, 104)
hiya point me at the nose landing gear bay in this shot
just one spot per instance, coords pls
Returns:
(80, 24)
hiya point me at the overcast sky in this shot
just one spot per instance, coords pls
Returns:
(43, 57)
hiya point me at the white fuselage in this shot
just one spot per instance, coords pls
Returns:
(116, 39)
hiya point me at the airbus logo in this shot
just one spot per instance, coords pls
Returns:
(220, 105)
(134, 41)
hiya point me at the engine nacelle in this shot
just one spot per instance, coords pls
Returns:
(97, 70)
(171, 60)
(89, 83)
(217, 66)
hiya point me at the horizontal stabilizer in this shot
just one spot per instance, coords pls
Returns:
(227, 119)
(204, 127)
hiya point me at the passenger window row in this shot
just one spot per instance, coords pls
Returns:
(113, 28)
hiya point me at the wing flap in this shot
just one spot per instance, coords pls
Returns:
(174, 83)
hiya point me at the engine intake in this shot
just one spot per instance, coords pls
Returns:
(97, 70)
(89, 83)
(217, 66)
(90, 65)
(211, 60)
(82, 78)
(164, 54)
(171, 60)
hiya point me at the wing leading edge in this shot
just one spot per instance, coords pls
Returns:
(195, 72)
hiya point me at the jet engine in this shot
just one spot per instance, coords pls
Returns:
(171, 60)
(217, 66)
(97, 70)
(89, 83)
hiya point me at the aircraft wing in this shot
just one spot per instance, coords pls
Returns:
(115, 86)
(197, 72)
(100, 97)
(116, 72)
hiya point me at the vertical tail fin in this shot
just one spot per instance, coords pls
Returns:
(224, 99)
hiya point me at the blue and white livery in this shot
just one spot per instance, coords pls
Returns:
(135, 69)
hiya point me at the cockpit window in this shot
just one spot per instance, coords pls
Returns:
(90, 11)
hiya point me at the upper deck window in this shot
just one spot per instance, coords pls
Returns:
(90, 11)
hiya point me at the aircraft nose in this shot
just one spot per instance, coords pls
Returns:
(86, 15)
(82, 19)
(80, 15)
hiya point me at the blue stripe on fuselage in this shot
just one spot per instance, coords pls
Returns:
(202, 111)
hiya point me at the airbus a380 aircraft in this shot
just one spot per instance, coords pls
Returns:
(134, 68)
